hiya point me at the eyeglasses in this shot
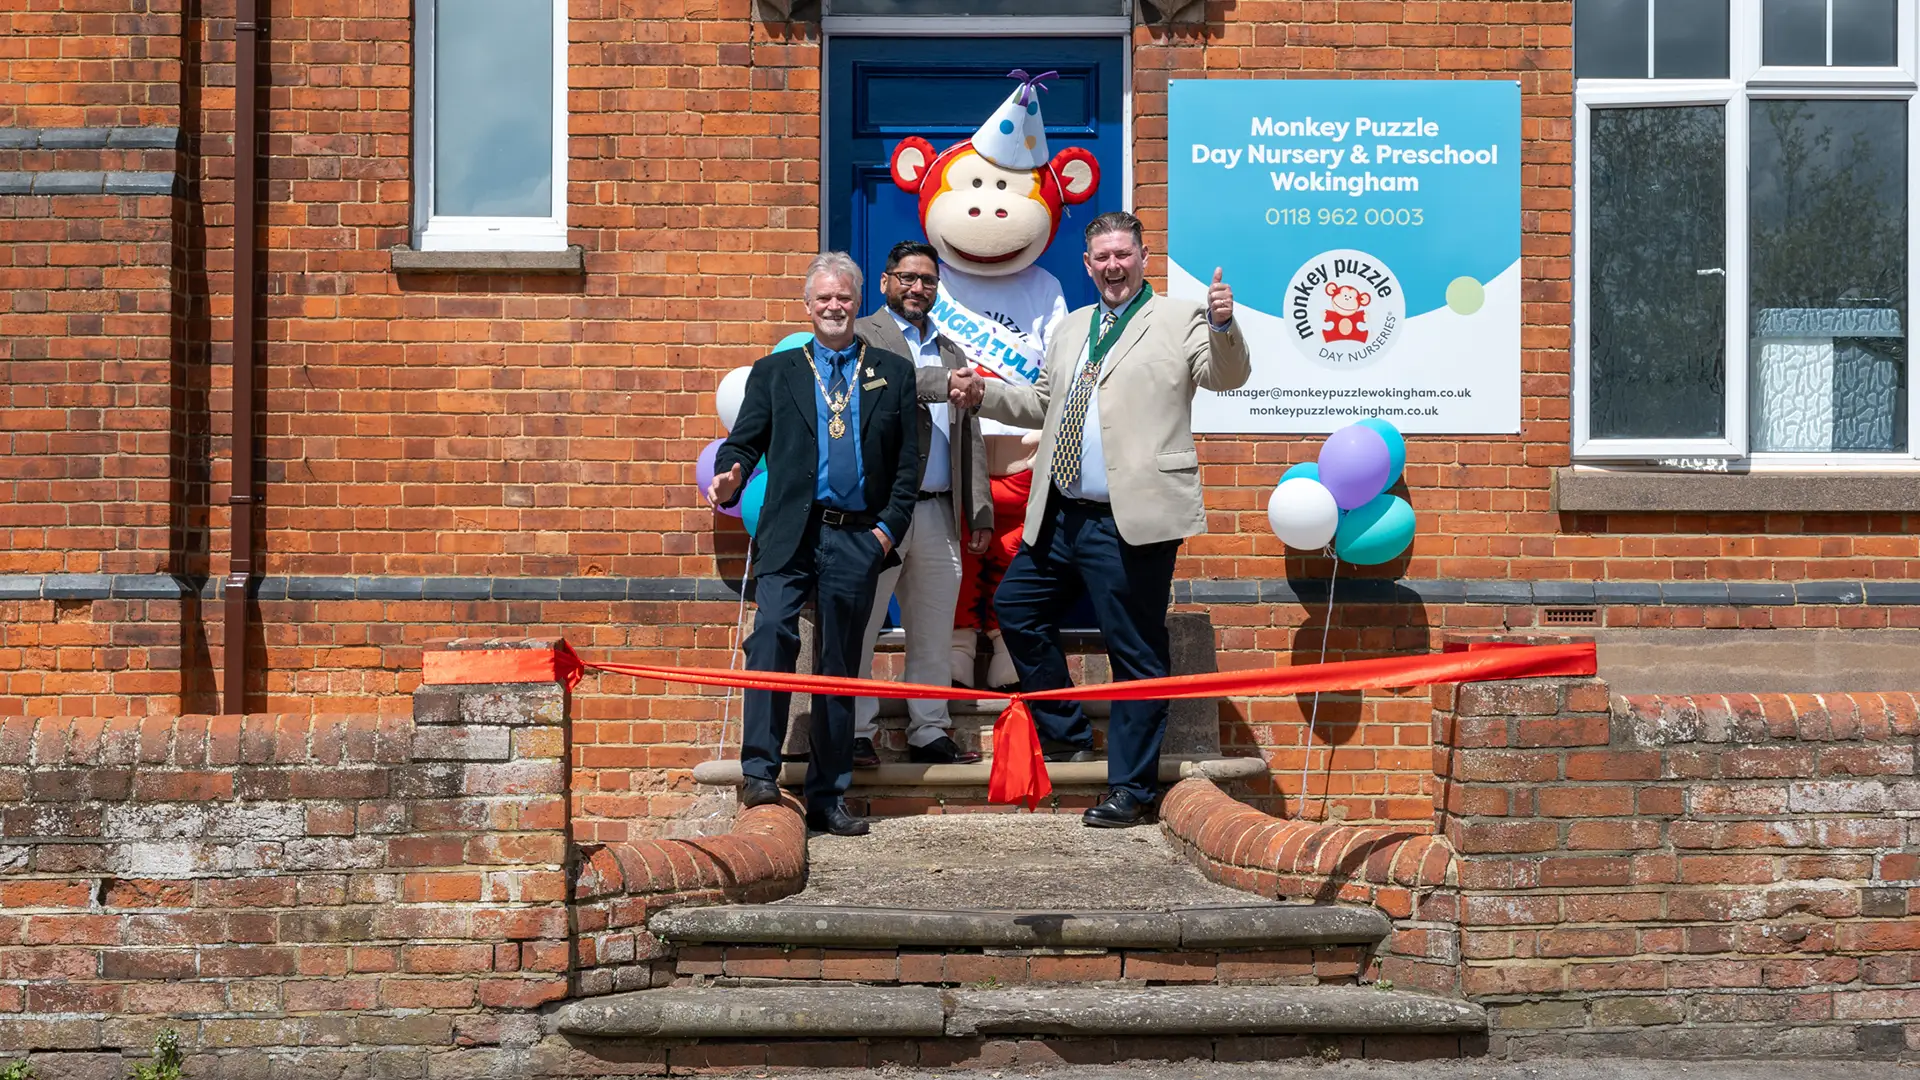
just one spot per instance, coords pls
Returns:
(931, 281)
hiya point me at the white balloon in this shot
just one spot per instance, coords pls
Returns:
(1303, 513)
(732, 391)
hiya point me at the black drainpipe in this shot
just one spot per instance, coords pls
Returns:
(240, 568)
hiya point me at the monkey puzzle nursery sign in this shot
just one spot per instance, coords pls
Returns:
(1371, 233)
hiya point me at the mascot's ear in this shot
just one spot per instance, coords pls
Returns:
(1079, 174)
(910, 161)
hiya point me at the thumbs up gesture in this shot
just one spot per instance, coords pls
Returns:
(1219, 301)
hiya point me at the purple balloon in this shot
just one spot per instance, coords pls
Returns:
(1355, 465)
(703, 475)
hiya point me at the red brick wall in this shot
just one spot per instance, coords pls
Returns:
(1704, 876)
(534, 426)
(285, 883)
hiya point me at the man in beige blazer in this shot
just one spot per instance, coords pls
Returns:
(954, 508)
(1116, 489)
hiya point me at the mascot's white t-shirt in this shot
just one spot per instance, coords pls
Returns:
(1029, 303)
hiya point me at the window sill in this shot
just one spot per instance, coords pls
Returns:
(1811, 492)
(570, 261)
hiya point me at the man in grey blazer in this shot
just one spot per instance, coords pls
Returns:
(954, 507)
(1116, 489)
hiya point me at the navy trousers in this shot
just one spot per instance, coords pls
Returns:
(836, 568)
(1079, 553)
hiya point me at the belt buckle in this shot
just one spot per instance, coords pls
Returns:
(831, 516)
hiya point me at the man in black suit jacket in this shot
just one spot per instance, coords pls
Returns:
(836, 423)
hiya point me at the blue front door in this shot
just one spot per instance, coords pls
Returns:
(881, 90)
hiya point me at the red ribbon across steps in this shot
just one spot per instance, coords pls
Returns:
(1019, 771)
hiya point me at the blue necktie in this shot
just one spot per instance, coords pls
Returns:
(843, 464)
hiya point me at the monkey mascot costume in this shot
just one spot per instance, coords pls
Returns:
(990, 205)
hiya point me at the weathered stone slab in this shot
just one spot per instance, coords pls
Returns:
(1206, 1010)
(893, 927)
(1276, 925)
(758, 1012)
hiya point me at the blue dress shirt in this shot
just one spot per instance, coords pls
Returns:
(826, 362)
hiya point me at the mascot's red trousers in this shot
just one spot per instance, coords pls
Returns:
(980, 574)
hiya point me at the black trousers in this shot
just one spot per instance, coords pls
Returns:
(837, 569)
(1079, 553)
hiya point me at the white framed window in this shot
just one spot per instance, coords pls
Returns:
(490, 125)
(1742, 250)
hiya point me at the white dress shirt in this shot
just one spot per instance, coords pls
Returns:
(938, 476)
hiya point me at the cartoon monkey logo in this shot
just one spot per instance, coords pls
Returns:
(1345, 319)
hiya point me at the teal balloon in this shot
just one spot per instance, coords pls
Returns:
(751, 500)
(1375, 532)
(1308, 469)
(1396, 445)
(797, 339)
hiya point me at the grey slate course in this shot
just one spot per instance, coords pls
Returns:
(18, 138)
(715, 589)
(19, 586)
(76, 587)
(320, 588)
(1829, 592)
(137, 183)
(593, 588)
(389, 588)
(74, 138)
(1433, 591)
(1693, 592)
(270, 588)
(144, 138)
(148, 587)
(16, 183)
(1893, 592)
(1225, 592)
(661, 588)
(1626, 592)
(1760, 593)
(1499, 592)
(69, 183)
(526, 588)
(1563, 592)
(456, 588)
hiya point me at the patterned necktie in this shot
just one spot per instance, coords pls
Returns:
(843, 466)
(1073, 417)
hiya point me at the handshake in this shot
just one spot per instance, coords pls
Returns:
(965, 388)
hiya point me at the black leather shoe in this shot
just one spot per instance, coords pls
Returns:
(1120, 811)
(941, 751)
(1053, 751)
(836, 821)
(759, 792)
(864, 755)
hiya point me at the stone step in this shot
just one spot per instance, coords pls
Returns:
(1249, 926)
(977, 712)
(922, 1012)
(1063, 774)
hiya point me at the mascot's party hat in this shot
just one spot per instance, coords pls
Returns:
(1015, 137)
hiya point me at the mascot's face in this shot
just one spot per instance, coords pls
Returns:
(985, 219)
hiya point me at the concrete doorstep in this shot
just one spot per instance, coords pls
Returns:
(1254, 926)
(922, 1012)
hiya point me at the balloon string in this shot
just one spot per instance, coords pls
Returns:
(1313, 716)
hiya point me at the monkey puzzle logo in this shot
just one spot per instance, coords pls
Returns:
(1344, 309)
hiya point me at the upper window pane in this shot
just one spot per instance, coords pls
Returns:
(493, 108)
(1865, 33)
(1689, 39)
(1656, 339)
(1827, 235)
(1829, 33)
(978, 7)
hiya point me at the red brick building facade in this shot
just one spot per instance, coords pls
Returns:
(479, 444)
